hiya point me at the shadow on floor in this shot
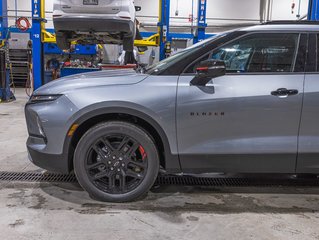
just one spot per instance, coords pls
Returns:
(170, 199)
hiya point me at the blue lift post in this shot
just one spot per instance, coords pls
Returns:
(5, 92)
(313, 10)
(164, 20)
(163, 25)
(38, 7)
(201, 21)
(3, 20)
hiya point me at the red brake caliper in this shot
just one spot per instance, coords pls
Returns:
(143, 153)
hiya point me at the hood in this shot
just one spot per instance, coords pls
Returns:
(92, 79)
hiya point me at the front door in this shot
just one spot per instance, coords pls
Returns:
(247, 120)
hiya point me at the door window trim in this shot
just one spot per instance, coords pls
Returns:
(258, 73)
(312, 54)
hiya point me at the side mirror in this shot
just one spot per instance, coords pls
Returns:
(138, 8)
(207, 70)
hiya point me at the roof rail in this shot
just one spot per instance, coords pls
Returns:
(302, 22)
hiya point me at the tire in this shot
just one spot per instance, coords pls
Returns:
(129, 58)
(100, 170)
(62, 41)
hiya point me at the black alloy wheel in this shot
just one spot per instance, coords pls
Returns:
(116, 164)
(116, 161)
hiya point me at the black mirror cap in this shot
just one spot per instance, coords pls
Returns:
(208, 70)
(138, 8)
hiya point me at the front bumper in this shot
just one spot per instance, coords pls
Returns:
(48, 124)
(51, 162)
(94, 24)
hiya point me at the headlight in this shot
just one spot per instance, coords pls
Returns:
(44, 98)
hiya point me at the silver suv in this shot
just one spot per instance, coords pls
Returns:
(94, 21)
(244, 101)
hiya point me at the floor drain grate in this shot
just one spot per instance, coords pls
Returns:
(167, 180)
(235, 182)
(36, 177)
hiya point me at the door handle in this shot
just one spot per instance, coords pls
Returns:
(284, 92)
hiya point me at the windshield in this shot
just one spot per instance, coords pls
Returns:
(158, 67)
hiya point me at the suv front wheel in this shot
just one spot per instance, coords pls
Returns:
(116, 162)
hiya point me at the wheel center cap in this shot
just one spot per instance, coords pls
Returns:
(117, 163)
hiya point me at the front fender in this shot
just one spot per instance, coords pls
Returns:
(151, 117)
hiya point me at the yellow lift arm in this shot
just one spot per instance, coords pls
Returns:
(152, 41)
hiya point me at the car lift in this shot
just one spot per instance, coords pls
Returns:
(161, 39)
(39, 35)
(164, 22)
(5, 92)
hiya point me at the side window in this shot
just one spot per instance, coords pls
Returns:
(267, 52)
(237, 56)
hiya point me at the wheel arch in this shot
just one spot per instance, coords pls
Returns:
(168, 161)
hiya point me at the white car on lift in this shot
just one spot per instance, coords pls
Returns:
(94, 22)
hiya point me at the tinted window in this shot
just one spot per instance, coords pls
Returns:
(182, 55)
(273, 52)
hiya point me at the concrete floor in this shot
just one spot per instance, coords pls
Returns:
(64, 211)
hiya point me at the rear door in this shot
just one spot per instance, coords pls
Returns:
(308, 147)
(247, 120)
(91, 6)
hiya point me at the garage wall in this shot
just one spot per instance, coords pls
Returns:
(24, 9)
(220, 12)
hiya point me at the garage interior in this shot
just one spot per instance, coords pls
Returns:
(37, 204)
